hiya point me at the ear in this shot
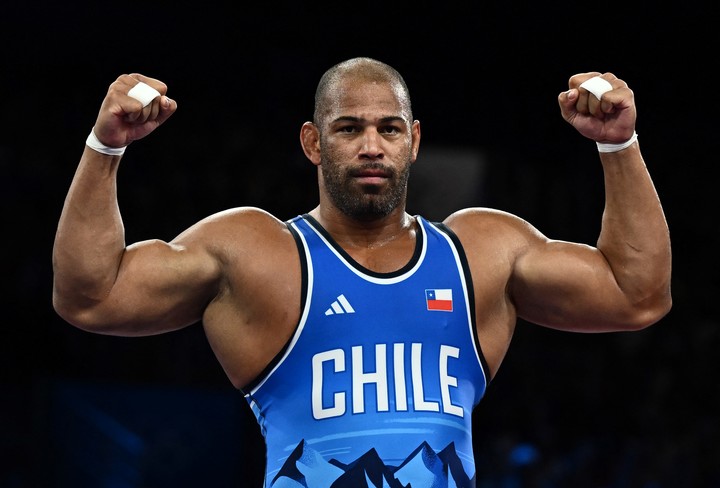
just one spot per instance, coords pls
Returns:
(310, 141)
(415, 131)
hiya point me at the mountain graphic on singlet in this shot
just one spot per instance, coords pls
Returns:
(306, 468)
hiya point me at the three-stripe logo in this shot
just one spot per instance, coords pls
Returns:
(339, 306)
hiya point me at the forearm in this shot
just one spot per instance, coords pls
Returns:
(634, 237)
(89, 241)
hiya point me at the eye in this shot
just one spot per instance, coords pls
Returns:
(389, 129)
(347, 129)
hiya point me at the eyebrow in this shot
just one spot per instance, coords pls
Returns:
(384, 120)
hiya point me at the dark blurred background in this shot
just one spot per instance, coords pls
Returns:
(566, 410)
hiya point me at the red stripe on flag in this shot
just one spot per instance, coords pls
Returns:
(445, 305)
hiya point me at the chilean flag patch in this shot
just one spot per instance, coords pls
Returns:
(439, 300)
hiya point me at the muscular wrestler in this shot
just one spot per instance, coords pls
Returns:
(363, 336)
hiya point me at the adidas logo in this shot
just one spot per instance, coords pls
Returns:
(341, 305)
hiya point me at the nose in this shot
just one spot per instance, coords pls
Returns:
(371, 144)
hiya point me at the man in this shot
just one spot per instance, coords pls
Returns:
(362, 336)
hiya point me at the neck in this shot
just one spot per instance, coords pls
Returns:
(350, 233)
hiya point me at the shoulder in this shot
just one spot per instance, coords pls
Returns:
(496, 223)
(247, 245)
(231, 222)
(485, 232)
(239, 229)
(242, 215)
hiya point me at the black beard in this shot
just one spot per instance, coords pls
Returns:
(363, 203)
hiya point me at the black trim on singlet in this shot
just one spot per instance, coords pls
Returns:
(419, 240)
(471, 292)
(245, 390)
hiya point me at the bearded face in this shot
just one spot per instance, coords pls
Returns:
(358, 198)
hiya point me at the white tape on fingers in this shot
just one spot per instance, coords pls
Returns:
(143, 93)
(597, 86)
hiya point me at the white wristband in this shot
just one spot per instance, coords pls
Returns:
(94, 143)
(608, 148)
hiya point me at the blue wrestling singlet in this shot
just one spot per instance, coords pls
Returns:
(377, 386)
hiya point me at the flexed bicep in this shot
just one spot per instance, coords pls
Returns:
(571, 286)
(159, 287)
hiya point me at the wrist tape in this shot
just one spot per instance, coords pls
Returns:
(608, 148)
(94, 143)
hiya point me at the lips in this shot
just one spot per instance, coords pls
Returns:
(371, 173)
(371, 176)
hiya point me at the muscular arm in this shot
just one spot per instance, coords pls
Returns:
(621, 284)
(101, 284)
(624, 282)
